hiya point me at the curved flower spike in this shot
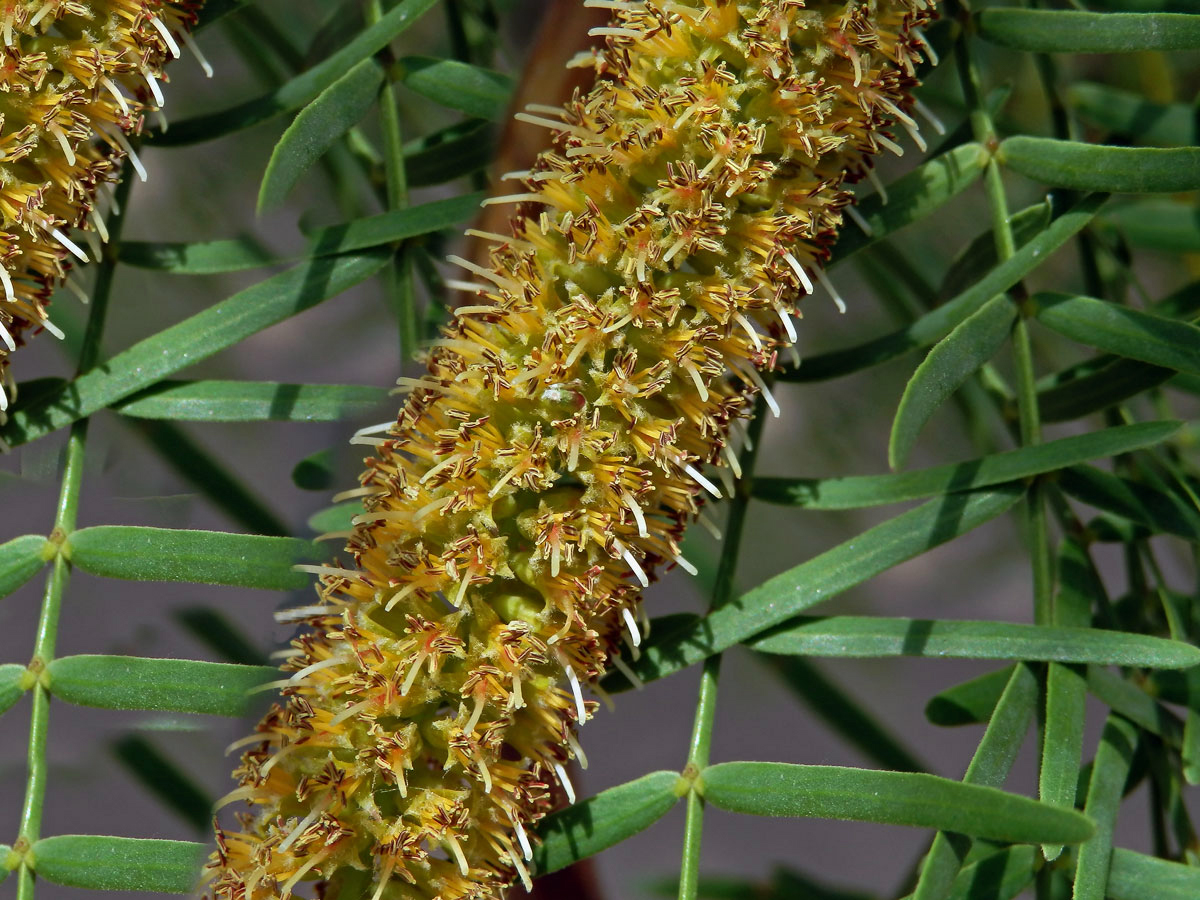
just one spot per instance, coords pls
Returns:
(75, 78)
(547, 464)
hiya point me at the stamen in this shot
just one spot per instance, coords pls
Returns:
(888, 144)
(345, 714)
(623, 668)
(9, 293)
(329, 571)
(120, 138)
(631, 624)
(522, 837)
(315, 667)
(166, 36)
(800, 273)
(565, 782)
(702, 481)
(929, 116)
(749, 329)
(157, 93)
(615, 32)
(860, 221)
(284, 616)
(873, 177)
(528, 197)
(6, 336)
(458, 855)
(53, 329)
(787, 324)
(697, 379)
(300, 828)
(762, 385)
(828, 285)
(573, 679)
(638, 572)
(577, 750)
(638, 515)
(734, 463)
(469, 728)
(924, 41)
(685, 565)
(61, 137)
(190, 43)
(112, 89)
(69, 244)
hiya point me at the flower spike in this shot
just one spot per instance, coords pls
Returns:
(77, 78)
(547, 465)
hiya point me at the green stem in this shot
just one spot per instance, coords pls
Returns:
(65, 519)
(398, 279)
(706, 705)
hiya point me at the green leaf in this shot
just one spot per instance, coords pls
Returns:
(21, 559)
(951, 361)
(821, 578)
(396, 225)
(170, 785)
(202, 258)
(990, 766)
(878, 636)
(361, 234)
(167, 685)
(136, 553)
(1090, 167)
(302, 89)
(1120, 330)
(316, 127)
(192, 340)
(119, 863)
(595, 824)
(999, 876)
(1166, 226)
(11, 689)
(1131, 702)
(934, 325)
(858, 491)
(1160, 511)
(968, 703)
(335, 518)
(1066, 686)
(892, 798)
(913, 197)
(478, 92)
(467, 148)
(1111, 383)
(1105, 791)
(980, 254)
(1131, 115)
(251, 401)
(1072, 31)
(315, 472)
(1135, 876)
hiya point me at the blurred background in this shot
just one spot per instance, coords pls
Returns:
(840, 427)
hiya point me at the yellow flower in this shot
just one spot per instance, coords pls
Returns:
(75, 78)
(548, 463)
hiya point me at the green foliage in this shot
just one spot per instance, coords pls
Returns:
(1062, 312)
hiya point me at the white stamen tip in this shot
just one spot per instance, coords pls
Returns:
(695, 475)
(565, 782)
(631, 624)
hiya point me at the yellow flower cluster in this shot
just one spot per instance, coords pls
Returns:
(76, 77)
(549, 461)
